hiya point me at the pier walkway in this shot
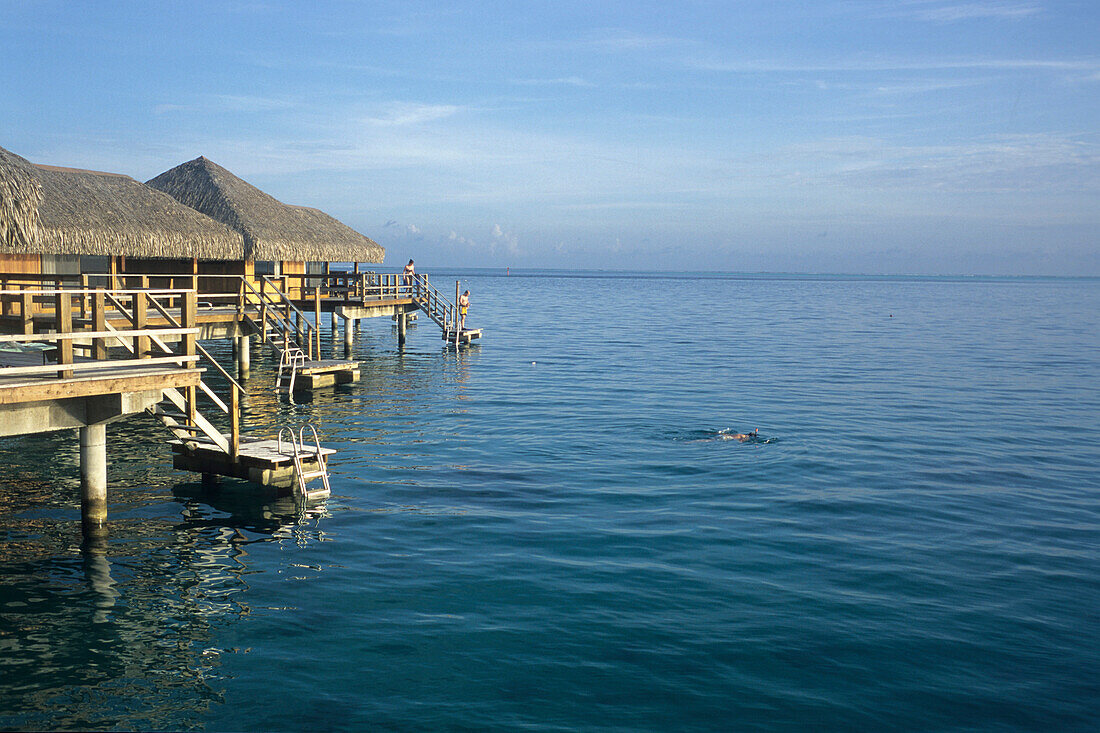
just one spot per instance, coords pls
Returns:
(82, 351)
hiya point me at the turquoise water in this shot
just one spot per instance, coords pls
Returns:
(555, 531)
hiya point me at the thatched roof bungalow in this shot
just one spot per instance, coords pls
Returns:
(272, 230)
(53, 219)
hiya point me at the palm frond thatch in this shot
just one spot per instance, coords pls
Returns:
(92, 213)
(20, 195)
(271, 229)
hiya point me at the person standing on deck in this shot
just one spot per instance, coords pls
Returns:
(463, 304)
(408, 274)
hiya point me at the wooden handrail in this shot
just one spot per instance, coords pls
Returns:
(198, 347)
(83, 366)
(92, 291)
(72, 335)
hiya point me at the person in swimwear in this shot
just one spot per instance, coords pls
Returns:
(463, 304)
(746, 437)
(408, 274)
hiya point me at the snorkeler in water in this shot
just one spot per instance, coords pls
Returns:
(746, 437)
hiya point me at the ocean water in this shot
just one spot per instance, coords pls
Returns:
(556, 530)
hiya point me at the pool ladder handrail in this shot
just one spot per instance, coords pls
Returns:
(289, 361)
(304, 477)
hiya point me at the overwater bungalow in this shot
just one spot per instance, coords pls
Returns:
(279, 239)
(108, 286)
(195, 219)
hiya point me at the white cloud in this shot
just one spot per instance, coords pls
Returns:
(572, 81)
(947, 12)
(236, 103)
(399, 114)
(505, 241)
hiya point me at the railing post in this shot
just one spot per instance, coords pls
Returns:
(263, 307)
(84, 296)
(99, 323)
(234, 423)
(64, 304)
(189, 319)
(27, 306)
(141, 343)
(317, 319)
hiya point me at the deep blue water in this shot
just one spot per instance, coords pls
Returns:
(554, 531)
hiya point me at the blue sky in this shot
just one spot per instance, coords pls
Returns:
(910, 136)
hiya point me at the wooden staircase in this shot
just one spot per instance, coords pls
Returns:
(281, 323)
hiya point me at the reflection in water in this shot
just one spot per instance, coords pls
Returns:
(121, 632)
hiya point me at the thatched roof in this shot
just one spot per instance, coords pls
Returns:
(272, 230)
(19, 198)
(66, 211)
(93, 213)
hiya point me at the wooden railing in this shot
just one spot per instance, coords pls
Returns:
(93, 334)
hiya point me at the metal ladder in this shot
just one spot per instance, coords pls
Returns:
(304, 477)
(289, 360)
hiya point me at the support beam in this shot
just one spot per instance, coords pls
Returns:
(93, 478)
(402, 322)
(349, 325)
(243, 356)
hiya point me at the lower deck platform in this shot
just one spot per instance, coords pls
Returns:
(260, 460)
(325, 373)
(464, 337)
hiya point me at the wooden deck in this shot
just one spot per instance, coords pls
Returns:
(326, 373)
(259, 460)
(464, 337)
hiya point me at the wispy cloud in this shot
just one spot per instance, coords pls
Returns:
(949, 12)
(238, 103)
(622, 40)
(399, 114)
(571, 81)
(1091, 65)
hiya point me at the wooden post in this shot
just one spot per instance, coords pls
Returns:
(84, 296)
(65, 326)
(140, 305)
(99, 323)
(402, 318)
(317, 319)
(27, 305)
(263, 307)
(234, 423)
(189, 319)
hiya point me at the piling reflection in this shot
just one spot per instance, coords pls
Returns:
(123, 632)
